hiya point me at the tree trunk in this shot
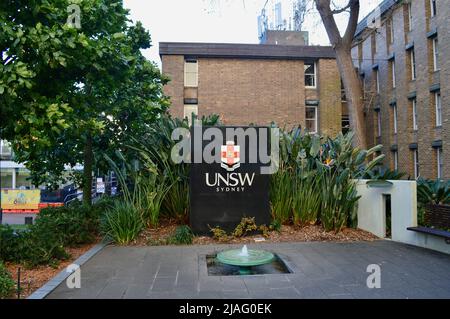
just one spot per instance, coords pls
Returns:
(353, 94)
(342, 46)
(87, 171)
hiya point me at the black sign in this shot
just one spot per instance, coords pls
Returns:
(232, 187)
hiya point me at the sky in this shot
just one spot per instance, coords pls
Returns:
(218, 21)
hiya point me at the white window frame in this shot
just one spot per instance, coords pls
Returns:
(186, 84)
(435, 54)
(391, 30)
(410, 17)
(395, 155)
(412, 56)
(315, 119)
(394, 110)
(414, 114)
(433, 8)
(314, 76)
(439, 162)
(378, 123)
(416, 163)
(438, 108)
(393, 74)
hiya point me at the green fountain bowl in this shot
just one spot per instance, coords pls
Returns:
(255, 257)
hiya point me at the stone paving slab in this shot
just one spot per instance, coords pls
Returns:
(319, 270)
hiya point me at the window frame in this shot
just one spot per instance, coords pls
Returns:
(410, 17)
(394, 80)
(416, 163)
(395, 157)
(414, 114)
(394, 111)
(433, 8)
(390, 25)
(438, 108)
(412, 57)
(439, 162)
(316, 118)
(314, 75)
(186, 62)
(435, 46)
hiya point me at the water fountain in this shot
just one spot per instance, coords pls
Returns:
(245, 258)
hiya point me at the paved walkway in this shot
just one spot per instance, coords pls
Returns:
(320, 270)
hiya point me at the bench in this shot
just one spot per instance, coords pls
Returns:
(432, 231)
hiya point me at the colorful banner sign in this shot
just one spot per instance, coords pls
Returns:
(20, 198)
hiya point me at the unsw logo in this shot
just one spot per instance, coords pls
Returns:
(230, 181)
(230, 156)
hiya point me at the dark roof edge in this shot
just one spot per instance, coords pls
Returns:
(237, 50)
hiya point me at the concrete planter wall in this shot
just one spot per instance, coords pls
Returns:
(372, 214)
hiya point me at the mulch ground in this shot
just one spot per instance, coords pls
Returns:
(32, 279)
(287, 233)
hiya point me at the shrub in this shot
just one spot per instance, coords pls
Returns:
(183, 236)
(247, 225)
(10, 244)
(307, 198)
(122, 223)
(281, 191)
(7, 284)
(73, 226)
(433, 192)
(315, 179)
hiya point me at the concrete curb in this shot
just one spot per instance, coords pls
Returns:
(46, 289)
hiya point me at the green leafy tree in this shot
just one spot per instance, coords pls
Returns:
(67, 94)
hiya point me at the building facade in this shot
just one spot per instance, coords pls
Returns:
(403, 61)
(255, 84)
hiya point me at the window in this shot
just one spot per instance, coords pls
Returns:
(345, 121)
(394, 111)
(439, 162)
(5, 149)
(410, 18)
(190, 109)
(311, 119)
(310, 75)
(395, 159)
(390, 30)
(393, 73)
(190, 73)
(378, 124)
(435, 54)
(416, 163)
(438, 104)
(412, 58)
(433, 7)
(377, 81)
(414, 114)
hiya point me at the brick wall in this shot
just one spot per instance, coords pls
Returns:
(258, 91)
(427, 131)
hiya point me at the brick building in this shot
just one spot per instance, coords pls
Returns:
(405, 68)
(255, 83)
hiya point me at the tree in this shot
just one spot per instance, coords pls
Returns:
(342, 46)
(71, 95)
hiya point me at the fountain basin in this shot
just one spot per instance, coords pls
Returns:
(253, 257)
